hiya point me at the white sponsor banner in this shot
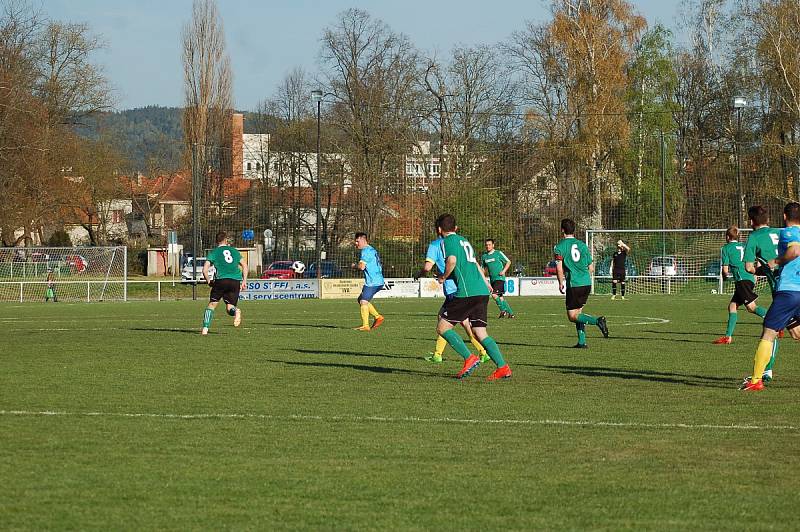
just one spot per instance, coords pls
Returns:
(399, 288)
(430, 287)
(277, 289)
(538, 286)
(512, 286)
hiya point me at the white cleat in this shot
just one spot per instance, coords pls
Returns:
(237, 319)
(613, 298)
(204, 331)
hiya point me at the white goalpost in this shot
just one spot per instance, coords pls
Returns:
(669, 261)
(64, 274)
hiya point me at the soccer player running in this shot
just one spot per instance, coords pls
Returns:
(760, 253)
(574, 268)
(786, 301)
(369, 263)
(618, 269)
(496, 263)
(470, 301)
(732, 262)
(435, 257)
(230, 277)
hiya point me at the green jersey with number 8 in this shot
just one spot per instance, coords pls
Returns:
(226, 261)
(467, 273)
(575, 257)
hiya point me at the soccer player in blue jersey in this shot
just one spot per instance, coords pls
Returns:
(786, 302)
(370, 264)
(435, 257)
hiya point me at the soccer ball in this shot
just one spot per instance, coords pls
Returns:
(298, 267)
(713, 291)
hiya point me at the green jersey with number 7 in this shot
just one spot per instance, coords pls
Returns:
(576, 259)
(226, 261)
(467, 273)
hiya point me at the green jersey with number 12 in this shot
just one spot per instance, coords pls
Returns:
(575, 257)
(226, 261)
(467, 273)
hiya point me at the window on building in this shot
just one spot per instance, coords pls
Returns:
(249, 166)
(258, 167)
(117, 216)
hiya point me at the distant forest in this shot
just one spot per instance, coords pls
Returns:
(150, 137)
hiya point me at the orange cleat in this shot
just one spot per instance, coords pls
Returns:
(362, 329)
(378, 322)
(500, 373)
(470, 364)
(722, 340)
(753, 386)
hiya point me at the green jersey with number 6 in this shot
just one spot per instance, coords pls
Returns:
(762, 243)
(226, 261)
(467, 273)
(575, 257)
(732, 255)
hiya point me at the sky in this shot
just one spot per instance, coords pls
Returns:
(268, 38)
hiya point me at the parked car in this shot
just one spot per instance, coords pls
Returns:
(605, 266)
(187, 273)
(329, 269)
(280, 269)
(666, 266)
(78, 262)
(549, 269)
(712, 270)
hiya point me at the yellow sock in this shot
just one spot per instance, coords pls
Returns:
(763, 354)
(478, 346)
(364, 316)
(441, 344)
(373, 310)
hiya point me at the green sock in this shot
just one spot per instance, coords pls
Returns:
(772, 358)
(494, 351)
(499, 303)
(207, 317)
(587, 319)
(732, 317)
(760, 312)
(456, 343)
(507, 307)
(581, 328)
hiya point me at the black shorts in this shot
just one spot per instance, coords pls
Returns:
(499, 287)
(459, 309)
(618, 275)
(226, 290)
(577, 297)
(744, 293)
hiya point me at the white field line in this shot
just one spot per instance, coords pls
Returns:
(384, 419)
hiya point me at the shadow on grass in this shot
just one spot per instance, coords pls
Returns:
(705, 381)
(360, 367)
(307, 325)
(164, 329)
(346, 353)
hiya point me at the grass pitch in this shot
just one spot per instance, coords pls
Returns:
(121, 416)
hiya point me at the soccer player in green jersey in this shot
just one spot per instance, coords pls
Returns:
(732, 262)
(470, 301)
(760, 254)
(574, 269)
(496, 263)
(230, 277)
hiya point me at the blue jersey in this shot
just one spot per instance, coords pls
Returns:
(435, 255)
(373, 273)
(790, 272)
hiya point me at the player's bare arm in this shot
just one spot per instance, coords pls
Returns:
(792, 252)
(206, 268)
(726, 271)
(243, 267)
(560, 276)
(426, 268)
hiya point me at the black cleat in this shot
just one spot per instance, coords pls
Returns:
(510, 316)
(503, 314)
(603, 326)
(580, 346)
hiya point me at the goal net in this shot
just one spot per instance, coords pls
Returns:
(63, 274)
(680, 261)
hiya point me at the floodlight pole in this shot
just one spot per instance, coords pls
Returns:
(738, 103)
